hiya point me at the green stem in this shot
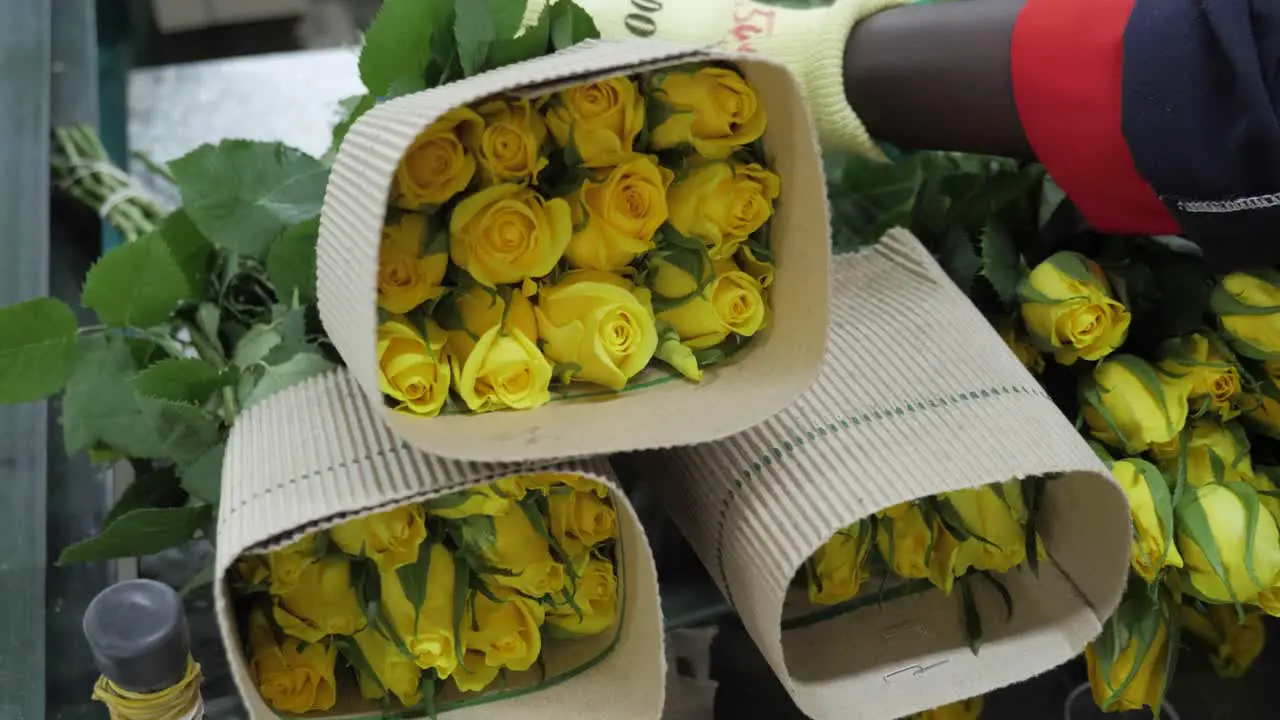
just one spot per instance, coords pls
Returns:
(88, 329)
(210, 351)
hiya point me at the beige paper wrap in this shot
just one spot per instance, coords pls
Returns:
(315, 455)
(779, 364)
(918, 395)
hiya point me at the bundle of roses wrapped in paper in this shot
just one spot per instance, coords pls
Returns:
(427, 604)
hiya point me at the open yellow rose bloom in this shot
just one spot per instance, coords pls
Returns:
(540, 247)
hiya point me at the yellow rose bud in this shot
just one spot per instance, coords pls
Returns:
(548, 481)
(322, 603)
(408, 276)
(596, 595)
(413, 369)
(439, 164)
(679, 356)
(395, 672)
(970, 709)
(599, 322)
(287, 563)
(580, 520)
(481, 310)
(1217, 527)
(722, 203)
(505, 633)
(474, 675)
(616, 217)
(390, 538)
(733, 302)
(510, 148)
(837, 569)
(1068, 308)
(1248, 307)
(427, 631)
(763, 271)
(1261, 481)
(1233, 643)
(983, 512)
(602, 119)
(1151, 507)
(511, 544)
(1145, 683)
(290, 680)
(485, 500)
(1206, 439)
(915, 549)
(507, 233)
(1261, 406)
(1026, 353)
(1209, 369)
(500, 370)
(1130, 405)
(713, 109)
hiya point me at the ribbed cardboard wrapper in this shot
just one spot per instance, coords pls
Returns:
(315, 455)
(918, 395)
(779, 364)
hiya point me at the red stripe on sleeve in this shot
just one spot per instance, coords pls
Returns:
(1067, 58)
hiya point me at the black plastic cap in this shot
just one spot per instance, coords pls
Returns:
(137, 631)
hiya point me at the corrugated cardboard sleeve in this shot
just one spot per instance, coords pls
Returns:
(918, 396)
(780, 363)
(316, 455)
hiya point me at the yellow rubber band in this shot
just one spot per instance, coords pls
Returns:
(168, 704)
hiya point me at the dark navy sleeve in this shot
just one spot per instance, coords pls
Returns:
(1201, 115)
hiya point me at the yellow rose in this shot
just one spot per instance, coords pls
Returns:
(290, 680)
(1248, 307)
(596, 595)
(474, 675)
(484, 500)
(616, 217)
(1151, 508)
(970, 709)
(1130, 405)
(1210, 370)
(390, 538)
(722, 203)
(1206, 439)
(599, 322)
(499, 371)
(407, 274)
(713, 109)
(732, 302)
(395, 672)
(548, 481)
(983, 512)
(1068, 308)
(287, 563)
(427, 631)
(1026, 353)
(1234, 643)
(507, 233)
(837, 569)
(322, 603)
(1216, 527)
(511, 543)
(480, 310)
(510, 148)
(439, 164)
(506, 633)
(1117, 684)
(253, 570)
(602, 119)
(915, 549)
(580, 520)
(762, 270)
(412, 369)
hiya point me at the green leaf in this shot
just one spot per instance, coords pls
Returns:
(256, 344)
(101, 407)
(972, 620)
(202, 478)
(184, 380)
(529, 44)
(291, 264)
(185, 432)
(400, 41)
(570, 25)
(359, 105)
(480, 25)
(37, 349)
(1001, 263)
(291, 372)
(461, 583)
(1161, 498)
(190, 248)
(199, 580)
(413, 578)
(243, 194)
(138, 284)
(151, 488)
(958, 257)
(140, 532)
(1194, 523)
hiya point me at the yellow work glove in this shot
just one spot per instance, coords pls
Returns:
(808, 40)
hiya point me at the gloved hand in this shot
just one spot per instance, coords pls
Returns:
(808, 40)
